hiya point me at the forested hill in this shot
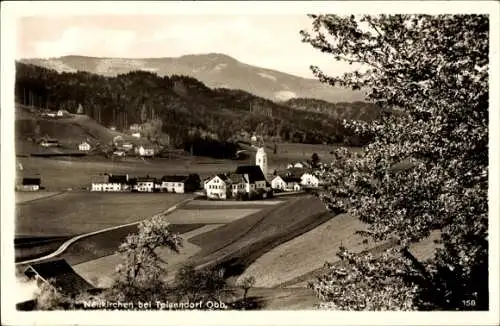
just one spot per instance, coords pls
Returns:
(351, 111)
(181, 103)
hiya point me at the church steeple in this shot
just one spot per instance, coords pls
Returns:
(261, 160)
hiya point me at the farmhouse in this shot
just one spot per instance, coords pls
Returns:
(59, 275)
(173, 183)
(145, 151)
(60, 113)
(119, 153)
(49, 114)
(110, 183)
(30, 184)
(51, 142)
(145, 184)
(309, 180)
(135, 128)
(84, 146)
(136, 134)
(286, 183)
(180, 183)
(216, 187)
(127, 146)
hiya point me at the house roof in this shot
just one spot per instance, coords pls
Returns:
(146, 179)
(64, 277)
(223, 176)
(291, 178)
(297, 172)
(118, 179)
(236, 178)
(99, 179)
(31, 181)
(174, 178)
(254, 172)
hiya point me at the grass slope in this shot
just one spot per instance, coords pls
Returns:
(236, 245)
(306, 252)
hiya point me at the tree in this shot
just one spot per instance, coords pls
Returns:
(432, 73)
(37, 131)
(140, 275)
(144, 113)
(152, 130)
(314, 160)
(48, 298)
(202, 284)
(246, 284)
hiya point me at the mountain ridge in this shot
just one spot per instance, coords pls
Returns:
(216, 70)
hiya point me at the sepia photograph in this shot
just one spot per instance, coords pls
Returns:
(201, 157)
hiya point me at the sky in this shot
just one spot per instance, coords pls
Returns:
(268, 41)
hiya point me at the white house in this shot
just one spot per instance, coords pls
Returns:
(145, 184)
(309, 180)
(286, 183)
(127, 146)
(173, 183)
(298, 165)
(29, 184)
(136, 134)
(119, 153)
(60, 113)
(110, 183)
(278, 183)
(216, 187)
(50, 114)
(49, 143)
(145, 151)
(135, 128)
(84, 147)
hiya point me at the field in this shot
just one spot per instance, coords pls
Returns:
(73, 213)
(102, 269)
(105, 244)
(236, 245)
(26, 196)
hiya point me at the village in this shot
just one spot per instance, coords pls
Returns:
(246, 182)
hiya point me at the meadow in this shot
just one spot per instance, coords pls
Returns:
(75, 173)
(74, 213)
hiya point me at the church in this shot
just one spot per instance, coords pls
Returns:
(246, 178)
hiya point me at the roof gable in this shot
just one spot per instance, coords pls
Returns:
(254, 172)
(31, 181)
(64, 276)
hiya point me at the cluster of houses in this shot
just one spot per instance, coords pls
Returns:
(28, 184)
(123, 183)
(248, 178)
